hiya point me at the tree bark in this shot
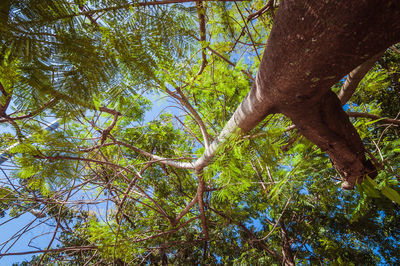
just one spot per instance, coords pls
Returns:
(354, 77)
(287, 254)
(312, 45)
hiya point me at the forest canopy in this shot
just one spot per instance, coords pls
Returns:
(200, 132)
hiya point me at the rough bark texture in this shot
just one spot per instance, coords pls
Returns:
(312, 45)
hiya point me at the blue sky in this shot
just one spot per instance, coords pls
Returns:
(42, 234)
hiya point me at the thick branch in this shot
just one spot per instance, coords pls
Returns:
(354, 77)
(295, 78)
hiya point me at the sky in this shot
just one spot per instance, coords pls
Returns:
(42, 233)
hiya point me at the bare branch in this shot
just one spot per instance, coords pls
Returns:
(107, 131)
(187, 209)
(188, 130)
(185, 102)
(229, 62)
(371, 116)
(268, 6)
(277, 221)
(166, 161)
(49, 250)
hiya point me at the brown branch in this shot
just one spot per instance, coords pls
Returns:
(375, 117)
(4, 107)
(34, 113)
(268, 6)
(287, 253)
(186, 210)
(158, 206)
(277, 221)
(354, 78)
(128, 189)
(200, 201)
(83, 103)
(259, 177)
(96, 147)
(395, 49)
(248, 31)
(108, 110)
(202, 25)
(107, 131)
(5, 93)
(90, 17)
(292, 140)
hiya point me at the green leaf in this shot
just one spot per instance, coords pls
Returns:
(391, 194)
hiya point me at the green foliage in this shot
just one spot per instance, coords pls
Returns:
(97, 66)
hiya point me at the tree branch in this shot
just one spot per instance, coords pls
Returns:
(354, 77)
(250, 234)
(167, 232)
(50, 250)
(126, 6)
(375, 117)
(268, 6)
(163, 160)
(202, 25)
(185, 102)
(34, 113)
(201, 205)
(60, 157)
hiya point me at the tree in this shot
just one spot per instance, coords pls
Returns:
(187, 190)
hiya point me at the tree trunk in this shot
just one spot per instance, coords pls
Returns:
(312, 45)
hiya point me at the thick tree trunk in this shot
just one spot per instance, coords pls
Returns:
(312, 45)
